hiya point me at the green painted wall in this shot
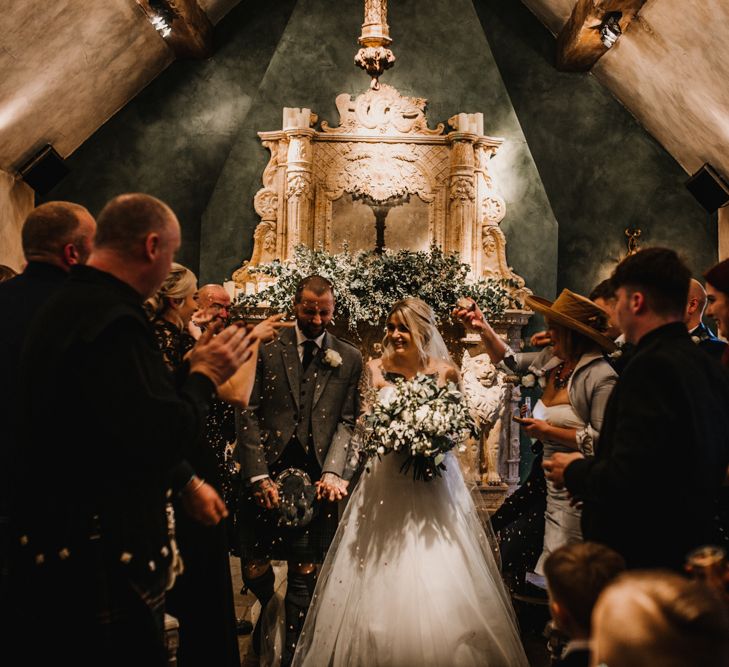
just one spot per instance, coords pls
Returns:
(602, 171)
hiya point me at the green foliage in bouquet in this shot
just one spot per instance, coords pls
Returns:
(366, 284)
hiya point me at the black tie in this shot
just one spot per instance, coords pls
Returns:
(310, 347)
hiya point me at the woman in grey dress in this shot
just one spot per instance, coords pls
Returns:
(576, 381)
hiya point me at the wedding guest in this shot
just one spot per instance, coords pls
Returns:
(202, 598)
(576, 575)
(102, 425)
(213, 305)
(651, 490)
(6, 273)
(659, 618)
(577, 383)
(699, 332)
(603, 294)
(301, 416)
(55, 236)
(717, 294)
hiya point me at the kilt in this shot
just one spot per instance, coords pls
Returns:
(259, 535)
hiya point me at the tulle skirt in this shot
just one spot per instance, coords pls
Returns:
(410, 579)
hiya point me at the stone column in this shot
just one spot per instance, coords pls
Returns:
(462, 217)
(299, 191)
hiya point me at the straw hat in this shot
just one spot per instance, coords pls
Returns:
(577, 313)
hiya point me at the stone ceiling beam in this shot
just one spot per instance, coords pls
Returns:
(578, 44)
(191, 34)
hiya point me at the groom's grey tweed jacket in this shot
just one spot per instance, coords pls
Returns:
(284, 399)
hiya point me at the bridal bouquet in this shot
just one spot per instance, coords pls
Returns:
(420, 418)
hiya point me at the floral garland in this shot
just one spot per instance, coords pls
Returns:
(366, 284)
(420, 418)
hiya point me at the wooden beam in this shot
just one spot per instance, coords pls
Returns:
(191, 33)
(578, 43)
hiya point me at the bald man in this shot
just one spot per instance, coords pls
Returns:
(213, 305)
(700, 333)
(102, 425)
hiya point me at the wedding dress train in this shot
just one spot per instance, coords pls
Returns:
(410, 579)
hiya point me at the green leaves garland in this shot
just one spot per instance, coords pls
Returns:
(366, 284)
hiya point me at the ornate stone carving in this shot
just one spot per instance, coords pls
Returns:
(379, 172)
(374, 57)
(299, 186)
(462, 189)
(381, 112)
(266, 204)
(494, 208)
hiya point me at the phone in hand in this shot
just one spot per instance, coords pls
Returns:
(528, 406)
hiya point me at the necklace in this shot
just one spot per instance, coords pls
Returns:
(559, 381)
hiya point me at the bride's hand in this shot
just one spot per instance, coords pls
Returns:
(470, 315)
(331, 487)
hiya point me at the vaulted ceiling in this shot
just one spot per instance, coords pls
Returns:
(70, 65)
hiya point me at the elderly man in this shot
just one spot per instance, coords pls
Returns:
(700, 333)
(651, 490)
(55, 236)
(213, 305)
(102, 426)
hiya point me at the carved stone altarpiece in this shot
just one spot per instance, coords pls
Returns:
(382, 153)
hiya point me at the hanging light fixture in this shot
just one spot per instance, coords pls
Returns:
(161, 17)
(610, 29)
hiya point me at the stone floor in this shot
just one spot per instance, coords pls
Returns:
(532, 620)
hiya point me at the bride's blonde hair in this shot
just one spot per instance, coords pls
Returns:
(420, 320)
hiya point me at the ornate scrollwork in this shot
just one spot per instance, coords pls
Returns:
(381, 112)
(266, 204)
(494, 208)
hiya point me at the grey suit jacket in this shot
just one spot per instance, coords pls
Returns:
(266, 427)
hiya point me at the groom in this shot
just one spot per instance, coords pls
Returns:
(301, 415)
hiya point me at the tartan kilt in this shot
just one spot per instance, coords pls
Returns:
(259, 535)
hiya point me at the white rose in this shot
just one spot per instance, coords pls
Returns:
(387, 396)
(529, 380)
(332, 358)
(421, 413)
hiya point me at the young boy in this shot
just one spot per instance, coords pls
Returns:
(576, 575)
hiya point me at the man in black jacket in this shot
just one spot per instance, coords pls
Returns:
(55, 236)
(651, 491)
(102, 425)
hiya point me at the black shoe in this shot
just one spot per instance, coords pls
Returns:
(243, 626)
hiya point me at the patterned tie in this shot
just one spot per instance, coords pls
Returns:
(310, 347)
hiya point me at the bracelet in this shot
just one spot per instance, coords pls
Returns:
(199, 484)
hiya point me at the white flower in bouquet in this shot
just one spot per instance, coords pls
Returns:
(420, 418)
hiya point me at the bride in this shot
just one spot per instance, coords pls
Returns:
(410, 578)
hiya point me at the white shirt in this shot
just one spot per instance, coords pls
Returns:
(301, 339)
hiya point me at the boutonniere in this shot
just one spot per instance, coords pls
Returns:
(696, 339)
(528, 380)
(332, 358)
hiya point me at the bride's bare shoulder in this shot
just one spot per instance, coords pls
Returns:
(375, 372)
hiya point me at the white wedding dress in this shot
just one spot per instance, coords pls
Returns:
(410, 579)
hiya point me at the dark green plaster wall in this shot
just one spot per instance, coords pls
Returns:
(602, 171)
(173, 138)
(442, 55)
